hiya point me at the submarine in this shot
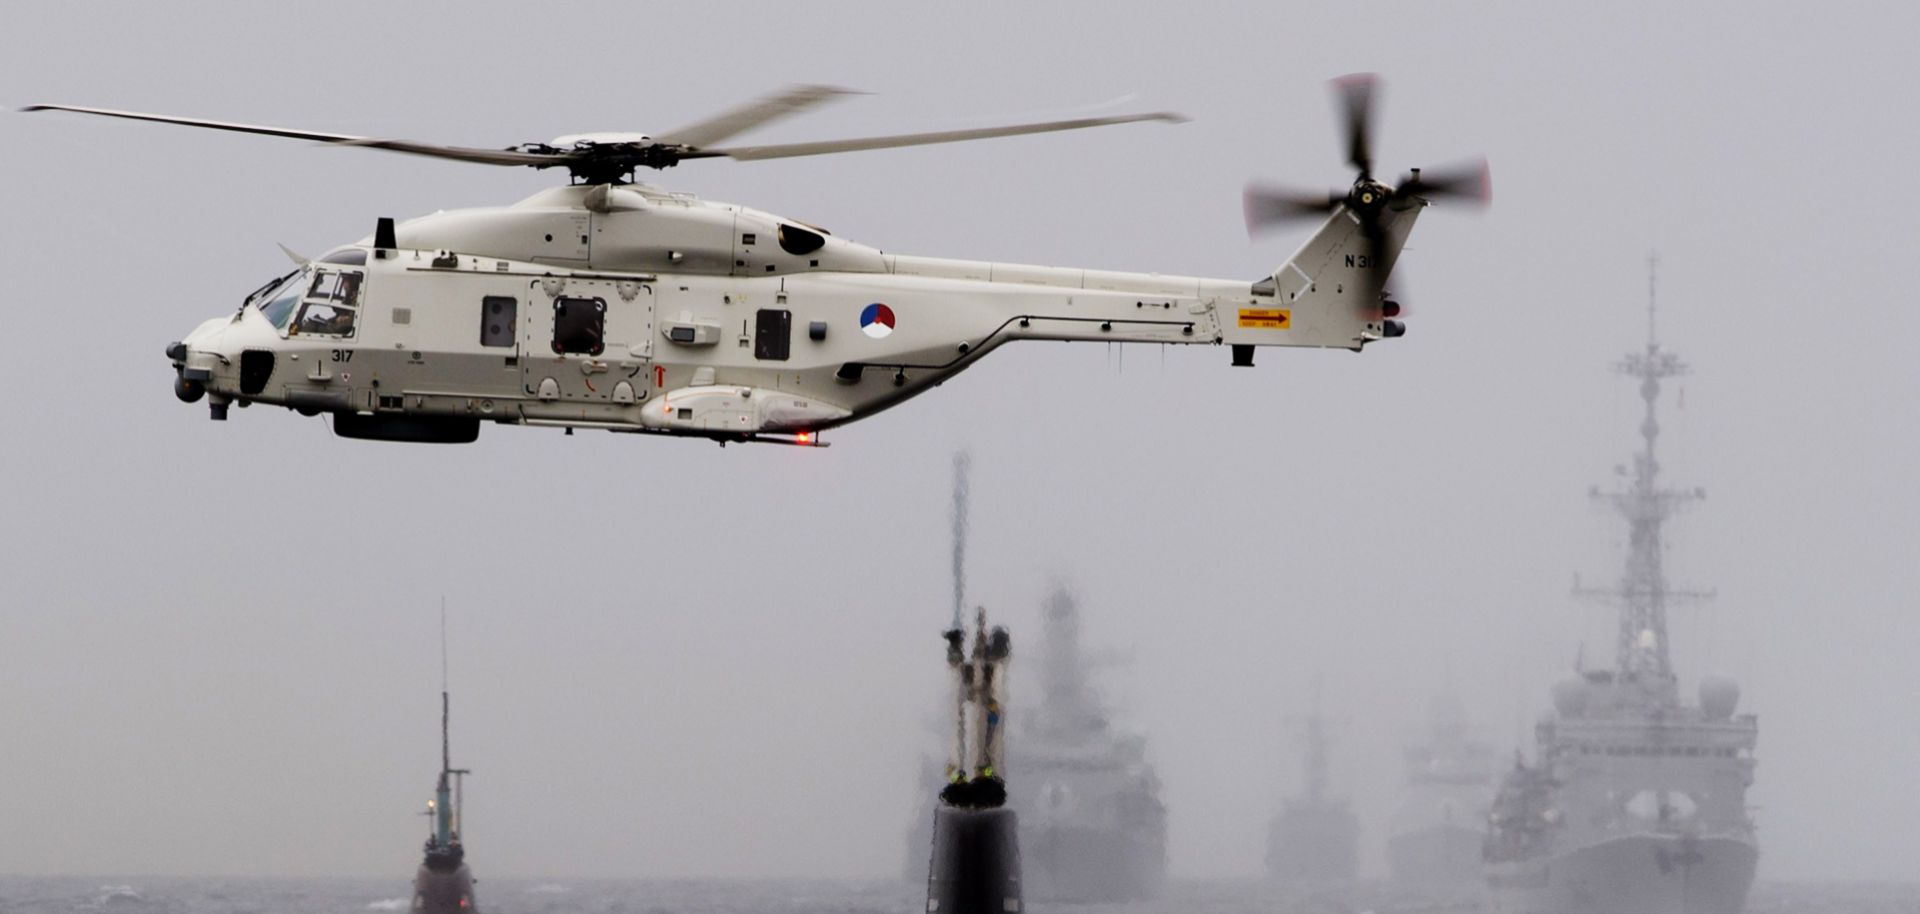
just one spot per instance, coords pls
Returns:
(974, 866)
(444, 882)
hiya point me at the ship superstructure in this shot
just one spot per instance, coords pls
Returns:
(1092, 827)
(1434, 838)
(1314, 840)
(1636, 800)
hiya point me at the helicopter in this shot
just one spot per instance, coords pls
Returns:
(610, 303)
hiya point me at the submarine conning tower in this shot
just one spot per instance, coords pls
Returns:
(444, 884)
(975, 863)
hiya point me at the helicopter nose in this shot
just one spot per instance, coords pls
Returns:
(189, 384)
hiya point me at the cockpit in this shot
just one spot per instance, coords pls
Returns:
(319, 299)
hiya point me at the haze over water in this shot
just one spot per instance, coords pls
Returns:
(673, 661)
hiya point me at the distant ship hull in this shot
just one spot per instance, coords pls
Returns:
(1441, 858)
(1075, 864)
(1639, 874)
(1313, 844)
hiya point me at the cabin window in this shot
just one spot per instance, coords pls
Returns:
(772, 334)
(496, 319)
(580, 325)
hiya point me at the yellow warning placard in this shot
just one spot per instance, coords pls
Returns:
(1267, 318)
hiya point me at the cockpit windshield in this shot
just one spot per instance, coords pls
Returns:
(277, 299)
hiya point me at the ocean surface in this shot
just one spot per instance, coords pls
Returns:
(48, 895)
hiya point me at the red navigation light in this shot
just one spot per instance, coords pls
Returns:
(804, 437)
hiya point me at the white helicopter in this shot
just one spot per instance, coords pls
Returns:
(612, 304)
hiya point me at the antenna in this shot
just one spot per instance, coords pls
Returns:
(443, 642)
(446, 755)
(962, 494)
(447, 825)
(1653, 265)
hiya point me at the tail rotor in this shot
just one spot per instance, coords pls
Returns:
(1370, 202)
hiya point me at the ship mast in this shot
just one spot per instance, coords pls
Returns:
(446, 793)
(1316, 748)
(1642, 593)
(1068, 707)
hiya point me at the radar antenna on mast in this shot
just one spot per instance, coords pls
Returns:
(1642, 593)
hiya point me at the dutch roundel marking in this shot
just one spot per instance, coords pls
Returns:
(1267, 318)
(877, 321)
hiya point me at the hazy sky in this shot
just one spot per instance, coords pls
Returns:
(219, 653)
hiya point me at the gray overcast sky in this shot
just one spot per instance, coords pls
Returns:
(671, 659)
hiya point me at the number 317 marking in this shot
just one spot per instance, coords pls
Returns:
(343, 355)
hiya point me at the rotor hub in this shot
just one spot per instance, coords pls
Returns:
(1368, 195)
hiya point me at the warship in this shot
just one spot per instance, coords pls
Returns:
(1313, 841)
(1434, 837)
(1092, 827)
(1635, 802)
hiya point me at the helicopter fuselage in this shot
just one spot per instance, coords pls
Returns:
(632, 309)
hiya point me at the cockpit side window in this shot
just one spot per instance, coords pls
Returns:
(323, 319)
(335, 286)
(331, 304)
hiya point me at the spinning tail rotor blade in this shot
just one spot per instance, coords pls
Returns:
(786, 150)
(1268, 207)
(459, 153)
(732, 123)
(1471, 181)
(1356, 108)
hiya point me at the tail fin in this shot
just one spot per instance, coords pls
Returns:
(1331, 292)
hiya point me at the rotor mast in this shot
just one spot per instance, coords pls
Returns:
(1642, 593)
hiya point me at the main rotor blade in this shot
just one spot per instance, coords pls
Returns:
(466, 153)
(460, 153)
(1469, 180)
(1267, 207)
(736, 121)
(1356, 108)
(785, 150)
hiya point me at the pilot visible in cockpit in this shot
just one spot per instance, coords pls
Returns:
(325, 320)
